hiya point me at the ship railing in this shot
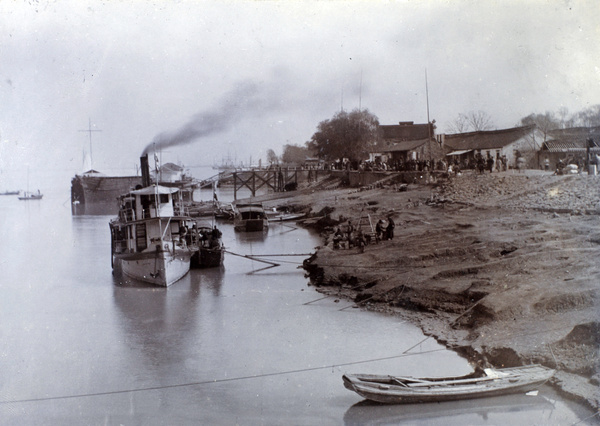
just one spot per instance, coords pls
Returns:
(127, 215)
(181, 211)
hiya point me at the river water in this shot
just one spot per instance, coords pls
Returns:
(237, 345)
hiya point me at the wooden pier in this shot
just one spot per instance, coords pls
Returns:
(277, 180)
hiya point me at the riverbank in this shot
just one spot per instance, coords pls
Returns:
(501, 268)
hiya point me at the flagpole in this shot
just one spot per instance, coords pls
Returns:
(428, 122)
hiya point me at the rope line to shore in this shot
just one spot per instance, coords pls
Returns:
(587, 418)
(207, 382)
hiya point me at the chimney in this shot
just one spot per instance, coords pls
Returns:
(145, 170)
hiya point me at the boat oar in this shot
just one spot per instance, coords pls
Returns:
(451, 324)
(320, 298)
(281, 254)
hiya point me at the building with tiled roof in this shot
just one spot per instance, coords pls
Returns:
(570, 145)
(510, 143)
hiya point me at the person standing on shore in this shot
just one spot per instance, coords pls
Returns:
(390, 228)
(349, 234)
(379, 230)
(360, 241)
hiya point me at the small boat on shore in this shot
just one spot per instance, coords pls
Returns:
(250, 217)
(408, 390)
(283, 216)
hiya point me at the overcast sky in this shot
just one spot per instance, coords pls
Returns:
(239, 77)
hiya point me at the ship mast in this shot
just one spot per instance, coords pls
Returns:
(90, 130)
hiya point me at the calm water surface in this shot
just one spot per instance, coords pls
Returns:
(238, 345)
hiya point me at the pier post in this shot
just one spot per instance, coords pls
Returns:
(234, 186)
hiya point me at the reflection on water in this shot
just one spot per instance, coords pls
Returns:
(511, 409)
(237, 344)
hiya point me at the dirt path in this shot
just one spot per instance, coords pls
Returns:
(504, 269)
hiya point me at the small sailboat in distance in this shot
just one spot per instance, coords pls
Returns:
(27, 195)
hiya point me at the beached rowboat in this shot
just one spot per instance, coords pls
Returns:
(408, 390)
(284, 217)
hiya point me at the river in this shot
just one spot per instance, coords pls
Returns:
(237, 345)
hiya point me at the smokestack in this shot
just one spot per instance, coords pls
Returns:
(145, 170)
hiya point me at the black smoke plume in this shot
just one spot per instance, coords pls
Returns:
(245, 100)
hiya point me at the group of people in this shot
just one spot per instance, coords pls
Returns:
(399, 165)
(206, 237)
(356, 237)
(479, 163)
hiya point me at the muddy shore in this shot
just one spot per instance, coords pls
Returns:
(502, 268)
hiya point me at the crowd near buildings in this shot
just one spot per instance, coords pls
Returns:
(407, 146)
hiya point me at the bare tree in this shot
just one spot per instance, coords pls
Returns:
(459, 125)
(544, 122)
(589, 117)
(480, 120)
(473, 121)
(563, 113)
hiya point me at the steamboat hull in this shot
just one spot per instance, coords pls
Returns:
(208, 258)
(161, 268)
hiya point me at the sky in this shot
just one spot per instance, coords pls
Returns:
(201, 81)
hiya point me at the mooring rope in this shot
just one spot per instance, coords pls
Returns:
(208, 382)
(597, 413)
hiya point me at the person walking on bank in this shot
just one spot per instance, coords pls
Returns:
(390, 228)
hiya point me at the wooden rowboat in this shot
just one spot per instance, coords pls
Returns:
(284, 217)
(408, 390)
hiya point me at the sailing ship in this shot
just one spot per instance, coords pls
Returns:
(149, 238)
(94, 193)
(227, 164)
